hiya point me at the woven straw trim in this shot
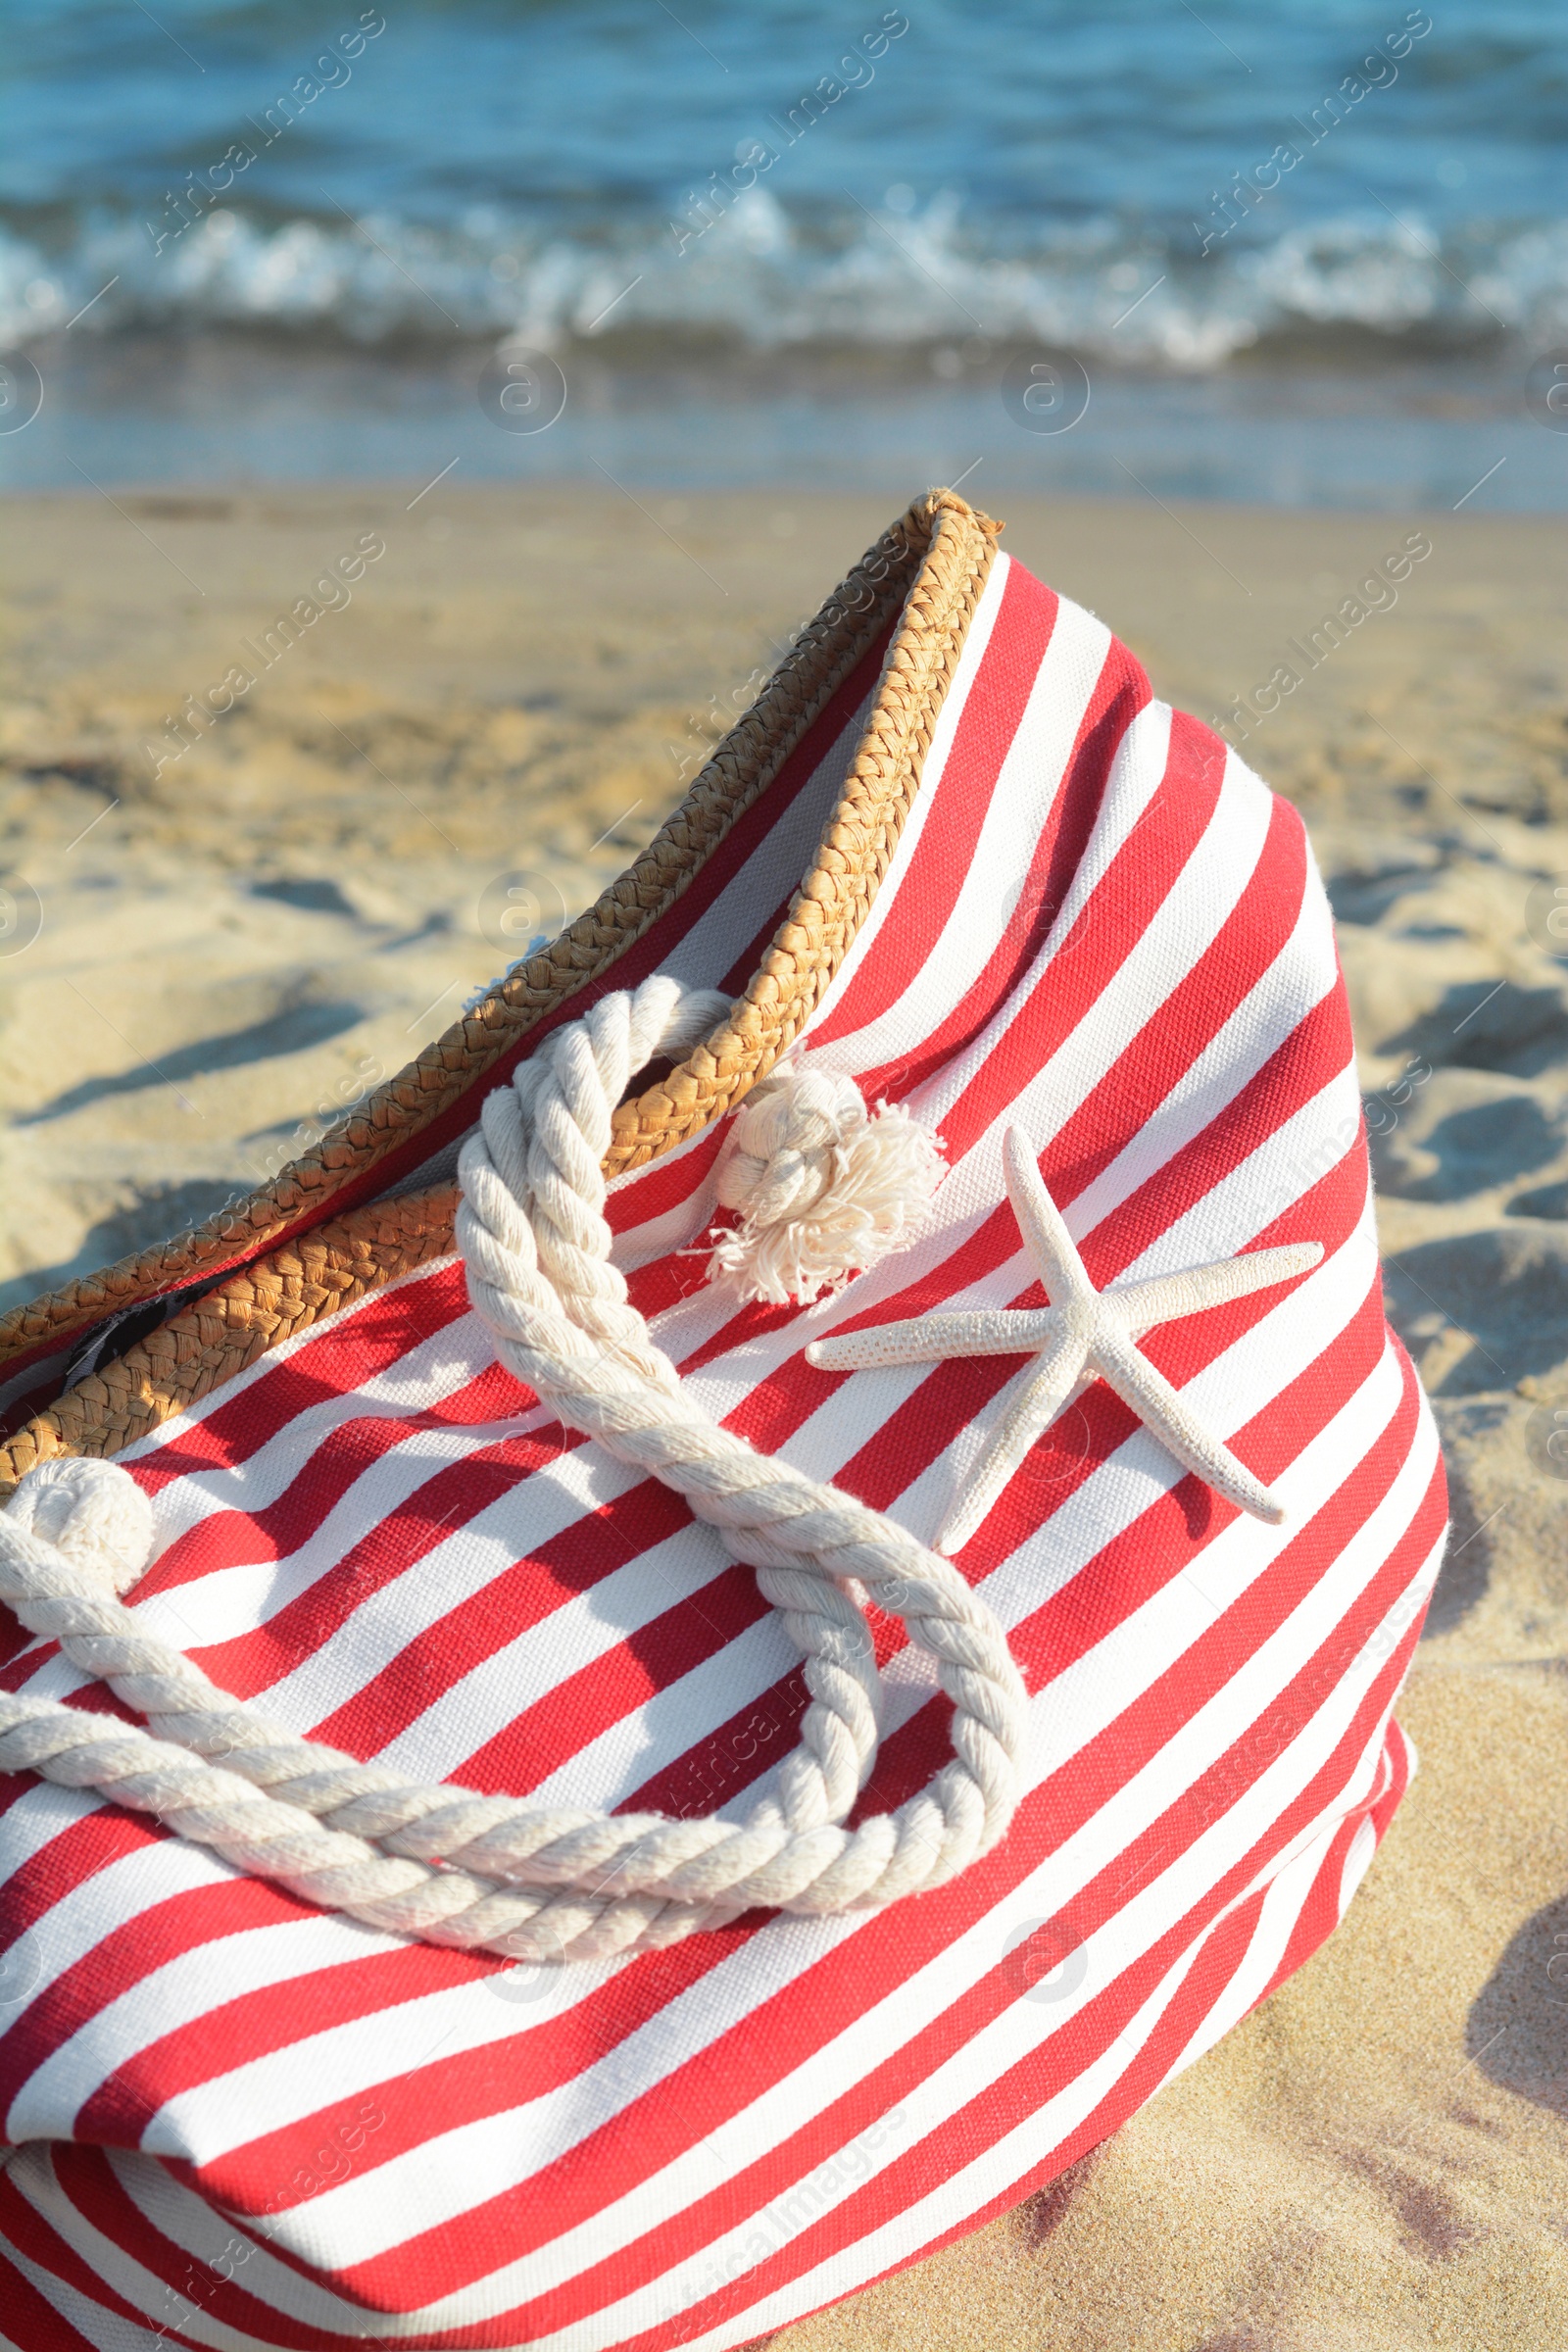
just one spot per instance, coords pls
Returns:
(852, 859)
(268, 1302)
(209, 1341)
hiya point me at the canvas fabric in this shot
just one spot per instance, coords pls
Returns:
(240, 2123)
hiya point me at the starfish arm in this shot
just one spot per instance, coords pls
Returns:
(1172, 1420)
(1049, 1388)
(1167, 1298)
(929, 1339)
(1041, 1222)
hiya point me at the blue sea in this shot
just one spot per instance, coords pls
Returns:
(1311, 253)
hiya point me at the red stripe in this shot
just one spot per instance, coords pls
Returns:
(719, 1769)
(31, 2323)
(124, 1955)
(227, 1538)
(1319, 1915)
(582, 1706)
(664, 1184)
(86, 2179)
(1120, 694)
(1142, 875)
(252, 2023)
(470, 2083)
(1316, 1053)
(998, 698)
(41, 2243)
(1246, 944)
(339, 1359)
(76, 1854)
(451, 1497)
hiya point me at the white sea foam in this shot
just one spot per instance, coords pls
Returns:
(762, 277)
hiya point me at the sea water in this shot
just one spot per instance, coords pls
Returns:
(1313, 253)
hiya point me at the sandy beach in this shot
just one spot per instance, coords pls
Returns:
(215, 939)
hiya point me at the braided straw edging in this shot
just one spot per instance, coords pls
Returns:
(852, 859)
(314, 1275)
(209, 1341)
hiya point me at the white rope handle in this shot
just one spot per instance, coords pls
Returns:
(497, 1872)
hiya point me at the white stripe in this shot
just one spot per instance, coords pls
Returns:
(593, 1625)
(1301, 976)
(185, 2222)
(423, 1376)
(172, 1997)
(985, 897)
(106, 2329)
(228, 1603)
(75, 1924)
(38, 1816)
(952, 2086)
(1289, 1893)
(976, 640)
(452, 1574)
(702, 954)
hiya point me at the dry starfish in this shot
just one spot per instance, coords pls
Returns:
(1081, 1334)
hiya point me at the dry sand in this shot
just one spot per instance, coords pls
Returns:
(1379, 2156)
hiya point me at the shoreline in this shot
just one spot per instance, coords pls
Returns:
(1343, 428)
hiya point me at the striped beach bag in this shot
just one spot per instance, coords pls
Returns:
(761, 1596)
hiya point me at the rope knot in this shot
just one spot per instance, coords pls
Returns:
(92, 1511)
(825, 1188)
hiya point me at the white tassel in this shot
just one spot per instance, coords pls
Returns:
(825, 1187)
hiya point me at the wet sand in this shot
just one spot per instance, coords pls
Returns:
(204, 960)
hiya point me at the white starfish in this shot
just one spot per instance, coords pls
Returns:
(1082, 1334)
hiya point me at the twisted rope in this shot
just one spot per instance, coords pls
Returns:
(497, 1872)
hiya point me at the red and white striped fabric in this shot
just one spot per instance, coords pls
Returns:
(239, 2123)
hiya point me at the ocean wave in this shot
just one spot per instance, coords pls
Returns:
(764, 279)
